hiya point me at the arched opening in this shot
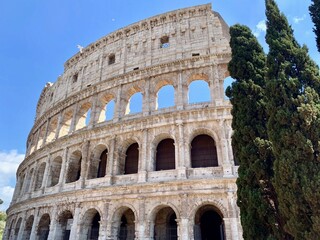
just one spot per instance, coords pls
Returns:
(132, 159)
(165, 225)
(165, 156)
(27, 228)
(17, 228)
(55, 171)
(109, 110)
(208, 224)
(65, 221)
(83, 116)
(74, 168)
(91, 225)
(43, 227)
(28, 181)
(199, 91)
(227, 83)
(41, 136)
(106, 108)
(66, 123)
(134, 104)
(101, 172)
(21, 182)
(127, 228)
(203, 152)
(52, 129)
(39, 176)
(11, 230)
(165, 97)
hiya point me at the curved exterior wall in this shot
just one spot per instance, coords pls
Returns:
(58, 190)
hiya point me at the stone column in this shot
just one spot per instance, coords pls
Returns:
(181, 95)
(53, 223)
(142, 173)
(146, 98)
(104, 221)
(183, 228)
(60, 119)
(181, 164)
(64, 168)
(75, 225)
(233, 218)
(22, 225)
(118, 105)
(46, 131)
(74, 118)
(35, 224)
(46, 173)
(94, 115)
(110, 161)
(84, 163)
(140, 223)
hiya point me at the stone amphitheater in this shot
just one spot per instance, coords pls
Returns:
(94, 169)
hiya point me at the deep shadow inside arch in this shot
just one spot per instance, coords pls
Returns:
(208, 224)
(165, 225)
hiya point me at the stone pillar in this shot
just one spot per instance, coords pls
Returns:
(84, 163)
(110, 161)
(146, 98)
(75, 225)
(64, 168)
(94, 112)
(60, 119)
(183, 229)
(140, 223)
(22, 225)
(46, 132)
(233, 218)
(46, 173)
(181, 164)
(142, 173)
(53, 224)
(104, 221)
(35, 224)
(181, 95)
(118, 105)
(74, 118)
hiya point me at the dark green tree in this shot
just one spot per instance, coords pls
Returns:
(315, 15)
(293, 108)
(256, 198)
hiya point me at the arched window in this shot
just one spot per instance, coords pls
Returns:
(227, 83)
(165, 156)
(199, 91)
(43, 227)
(66, 123)
(52, 129)
(28, 181)
(208, 224)
(134, 104)
(55, 171)
(101, 172)
(83, 116)
(74, 168)
(203, 152)
(165, 225)
(127, 223)
(65, 221)
(165, 97)
(39, 176)
(28, 227)
(88, 117)
(17, 228)
(109, 110)
(132, 159)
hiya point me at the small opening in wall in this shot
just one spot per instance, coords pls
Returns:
(75, 78)
(164, 42)
(136, 68)
(112, 59)
(195, 54)
(88, 85)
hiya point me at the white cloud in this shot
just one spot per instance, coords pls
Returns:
(299, 19)
(9, 162)
(259, 28)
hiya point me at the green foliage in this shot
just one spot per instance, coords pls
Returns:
(293, 107)
(3, 217)
(256, 198)
(315, 15)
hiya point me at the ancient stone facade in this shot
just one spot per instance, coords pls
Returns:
(161, 173)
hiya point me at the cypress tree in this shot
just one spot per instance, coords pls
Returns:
(256, 198)
(293, 107)
(315, 15)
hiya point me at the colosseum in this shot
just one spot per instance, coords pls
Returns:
(96, 169)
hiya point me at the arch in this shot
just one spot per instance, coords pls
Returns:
(10, 234)
(28, 227)
(17, 228)
(28, 181)
(132, 159)
(199, 91)
(55, 170)
(83, 116)
(165, 97)
(165, 225)
(39, 176)
(90, 225)
(63, 227)
(106, 107)
(208, 223)
(98, 162)
(41, 136)
(52, 129)
(203, 152)
(165, 155)
(134, 104)
(74, 167)
(124, 224)
(43, 227)
(65, 123)
(227, 83)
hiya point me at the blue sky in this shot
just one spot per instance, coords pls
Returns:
(38, 36)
